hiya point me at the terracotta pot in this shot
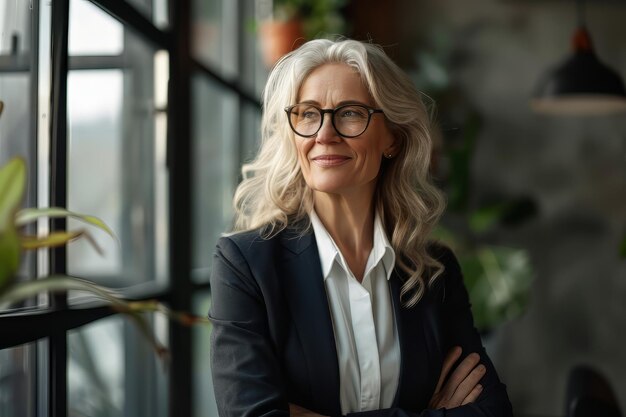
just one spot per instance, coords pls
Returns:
(279, 38)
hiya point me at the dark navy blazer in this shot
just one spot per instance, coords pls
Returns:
(272, 341)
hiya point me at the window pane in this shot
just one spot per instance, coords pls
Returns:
(155, 10)
(15, 18)
(17, 115)
(95, 162)
(117, 167)
(114, 372)
(203, 385)
(88, 23)
(16, 118)
(17, 383)
(253, 71)
(215, 34)
(216, 163)
(251, 131)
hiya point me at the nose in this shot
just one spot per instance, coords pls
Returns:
(327, 132)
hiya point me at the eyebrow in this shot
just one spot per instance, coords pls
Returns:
(341, 103)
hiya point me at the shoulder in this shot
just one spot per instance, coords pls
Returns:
(243, 244)
(254, 243)
(254, 256)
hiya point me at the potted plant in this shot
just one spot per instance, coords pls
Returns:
(293, 22)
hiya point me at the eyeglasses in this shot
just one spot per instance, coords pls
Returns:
(349, 120)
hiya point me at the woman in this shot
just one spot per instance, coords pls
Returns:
(329, 299)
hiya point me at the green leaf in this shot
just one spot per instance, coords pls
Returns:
(498, 280)
(12, 185)
(483, 219)
(50, 241)
(132, 309)
(56, 239)
(56, 283)
(9, 255)
(28, 215)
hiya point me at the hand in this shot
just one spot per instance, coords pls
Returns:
(297, 411)
(462, 387)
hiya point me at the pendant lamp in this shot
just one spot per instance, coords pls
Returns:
(581, 84)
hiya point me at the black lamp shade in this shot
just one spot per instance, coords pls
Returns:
(580, 85)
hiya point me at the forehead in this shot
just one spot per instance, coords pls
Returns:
(333, 83)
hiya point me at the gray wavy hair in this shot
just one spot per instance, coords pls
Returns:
(273, 193)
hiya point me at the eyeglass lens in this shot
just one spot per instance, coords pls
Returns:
(350, 120)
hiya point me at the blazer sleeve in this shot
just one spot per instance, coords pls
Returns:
(246, 372)
(458, 329)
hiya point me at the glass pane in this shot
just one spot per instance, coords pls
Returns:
(216, 167)
(253, 71)
(15, 32)
(203, 385)
(251, 131)
(114, 372)
(155, 10)
(95, 161)
(16, 117)
(17, 381)
(88, 23)
(17, 110)
(215, 34)
(117, 167)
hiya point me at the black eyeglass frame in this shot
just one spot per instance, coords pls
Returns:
(370, 111)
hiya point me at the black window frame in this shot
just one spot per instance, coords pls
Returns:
(58, 318)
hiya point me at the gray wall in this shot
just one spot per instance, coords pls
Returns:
(575, 168)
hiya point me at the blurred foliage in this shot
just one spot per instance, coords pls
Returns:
(497, 277)
(319, 17)
(13, 241)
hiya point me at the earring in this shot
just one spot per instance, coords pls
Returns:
(388, 156)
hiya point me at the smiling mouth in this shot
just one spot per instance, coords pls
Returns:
(330, 160)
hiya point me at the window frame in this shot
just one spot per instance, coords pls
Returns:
(47, 327)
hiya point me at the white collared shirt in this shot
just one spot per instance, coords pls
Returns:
(366, 338)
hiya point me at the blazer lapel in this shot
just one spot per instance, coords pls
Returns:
(304, 286)
(417, 351)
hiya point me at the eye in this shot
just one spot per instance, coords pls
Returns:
(352, 113)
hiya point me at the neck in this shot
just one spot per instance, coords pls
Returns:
(349, 219)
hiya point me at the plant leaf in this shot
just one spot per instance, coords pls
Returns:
(56, 283)
(28, 215)
(132, 309)
(61, 283)
(56, 239)
(52, 240)
(483, 219)
(12, 185)
(9, 256)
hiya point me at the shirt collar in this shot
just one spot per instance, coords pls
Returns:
(329, 253)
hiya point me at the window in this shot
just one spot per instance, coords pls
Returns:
(114, 121)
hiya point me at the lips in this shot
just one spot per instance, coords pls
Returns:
(330, 160)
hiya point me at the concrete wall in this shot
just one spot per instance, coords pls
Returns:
(575, 169)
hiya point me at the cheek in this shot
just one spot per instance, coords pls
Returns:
(303, 149)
